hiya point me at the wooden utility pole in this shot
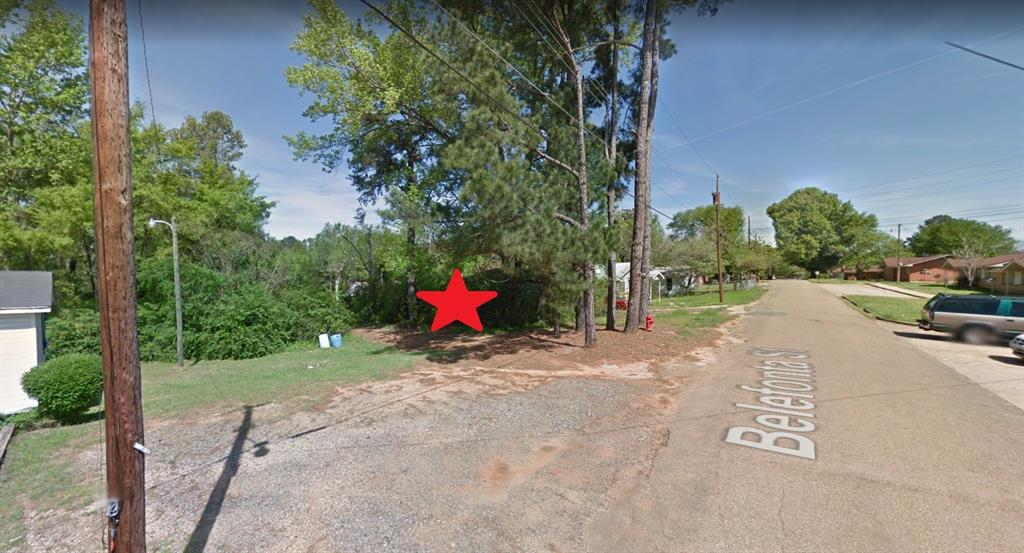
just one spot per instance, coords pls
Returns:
(115, 260)
(749, 231)
(717, 197)
(899, 248)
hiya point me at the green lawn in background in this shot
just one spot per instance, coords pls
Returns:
(906, 310)
(932, 289)
(690, 323)
(305, 371)
(705, 298)
(38, 466)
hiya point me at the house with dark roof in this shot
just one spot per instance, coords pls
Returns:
(25, 298)
(928, 268)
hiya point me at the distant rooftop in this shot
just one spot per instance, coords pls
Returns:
(26, 290)
(911, 261)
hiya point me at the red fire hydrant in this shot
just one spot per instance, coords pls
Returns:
(650, 323)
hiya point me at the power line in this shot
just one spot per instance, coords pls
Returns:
(603, 97)
(463, 76)
(589, 85)
(932, 174)
(986, 56)
(843, 191)
(840, 88)
(545, 95)
(688, 141)
(957, 186)
(145, 59)
(968, 214)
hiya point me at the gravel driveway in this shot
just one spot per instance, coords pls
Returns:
(511, 452)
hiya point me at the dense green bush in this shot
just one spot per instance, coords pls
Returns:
(65, 386)
(243, 325)
(73, 331)
(312, 312)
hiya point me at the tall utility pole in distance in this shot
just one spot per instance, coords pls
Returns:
(749, 231)
(177, 284)
(717, 197)
(115, 261)
(899, 250)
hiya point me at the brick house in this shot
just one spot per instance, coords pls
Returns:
(874, 272)
(1003, 274)
(929, 268)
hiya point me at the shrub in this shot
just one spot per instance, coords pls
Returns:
(73, 331)
(65, 386)
(313, 311)
(243, 325)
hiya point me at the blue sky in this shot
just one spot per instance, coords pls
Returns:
(863, 99)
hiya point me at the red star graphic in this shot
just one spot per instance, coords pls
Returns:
(456, 303)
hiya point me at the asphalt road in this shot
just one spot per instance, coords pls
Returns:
(908, 455)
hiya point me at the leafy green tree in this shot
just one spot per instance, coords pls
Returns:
(43, 94)
(814, 228)
(942, 234)
(867, 246)
(388, 118)
(700, 221)
(212, 138)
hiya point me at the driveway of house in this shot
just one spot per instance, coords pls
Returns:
(993, 367)
(841, 290)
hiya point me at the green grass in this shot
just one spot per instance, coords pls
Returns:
(691, 323)
(905, 310)
(169, 389)
(705, 298)
(932, 289)
(38, 471)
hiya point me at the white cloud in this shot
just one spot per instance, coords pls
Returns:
(306, 196)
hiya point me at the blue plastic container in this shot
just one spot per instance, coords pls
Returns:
(336, 340)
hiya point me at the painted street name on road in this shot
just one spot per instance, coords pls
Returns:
(785, 388)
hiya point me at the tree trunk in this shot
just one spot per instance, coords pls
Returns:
(410, 275)
(91, 271)
(645, 291)
(587, 311)
(642, 184)
(587, 268)
(612, 154)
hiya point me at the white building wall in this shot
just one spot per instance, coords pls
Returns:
(21, 348)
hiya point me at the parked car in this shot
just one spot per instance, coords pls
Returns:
(974, 319)
(1017, 346)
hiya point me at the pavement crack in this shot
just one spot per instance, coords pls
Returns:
(782, 520)
(659, 445)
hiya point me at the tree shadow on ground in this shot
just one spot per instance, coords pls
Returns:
(454, 346)
(201, 534)
(1008, 359)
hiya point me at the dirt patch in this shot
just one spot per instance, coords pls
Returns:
(544, 350)
(509, 442)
